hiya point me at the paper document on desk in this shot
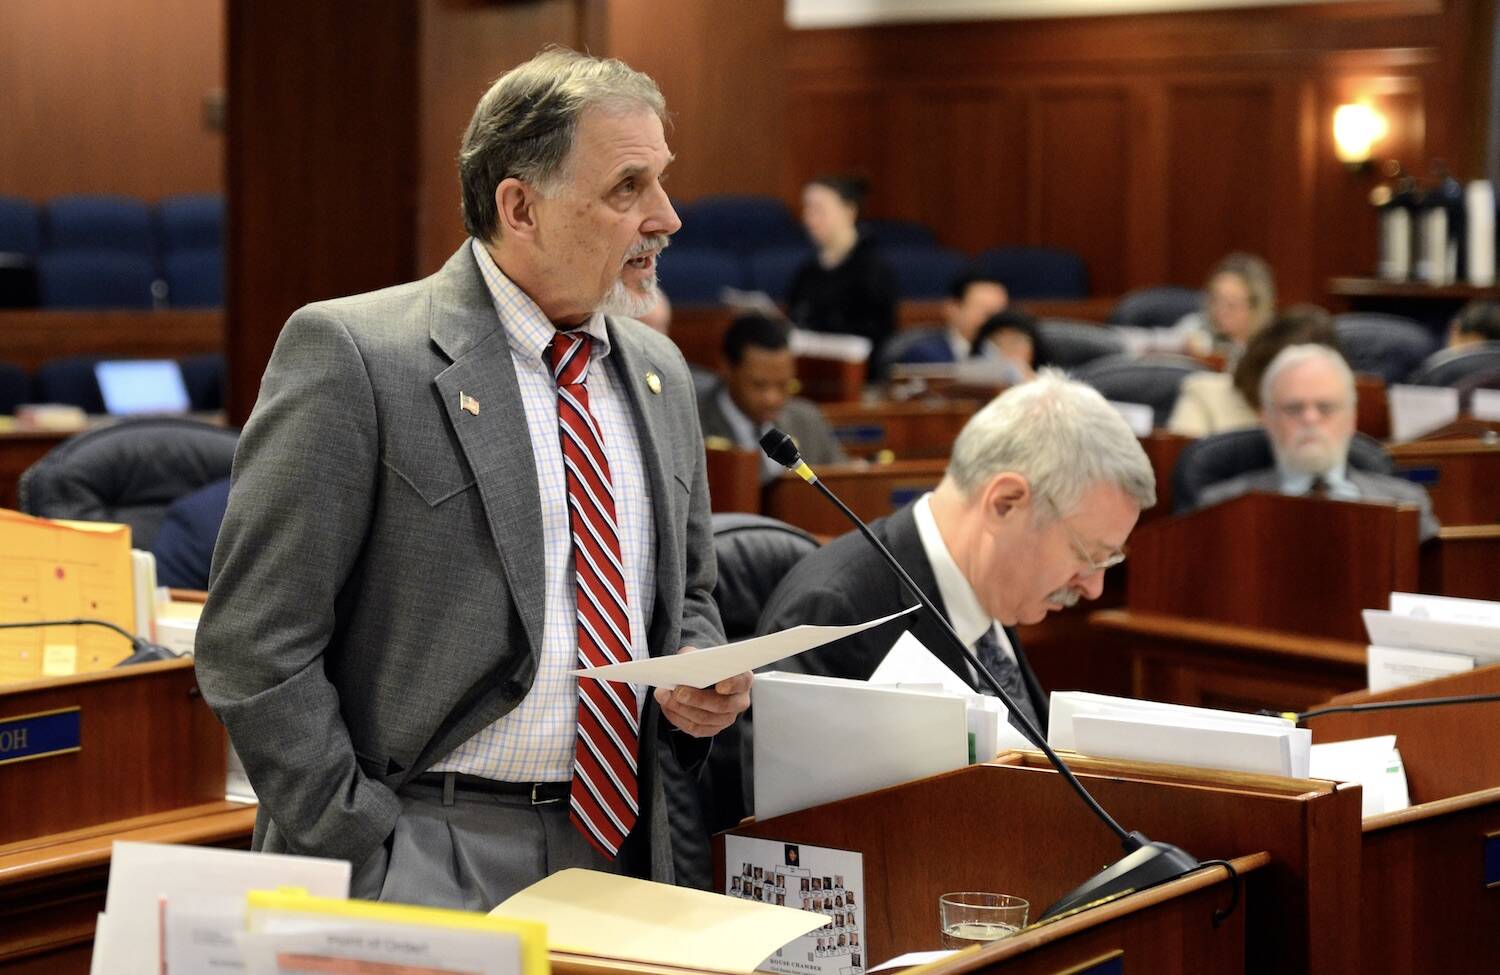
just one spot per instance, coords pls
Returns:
(1485, 404)
(1372, 762)
(622, 918)
(911, 666)
(1449, 609)
(705, 668)
(1387, 668)
(820, 739)
(1416, 410)
(1481, 641)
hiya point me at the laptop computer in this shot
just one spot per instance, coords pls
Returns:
(141, 386)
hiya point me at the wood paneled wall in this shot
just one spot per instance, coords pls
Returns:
(109, 97)
(1151, 145)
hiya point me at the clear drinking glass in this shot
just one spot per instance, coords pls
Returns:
(973, 917)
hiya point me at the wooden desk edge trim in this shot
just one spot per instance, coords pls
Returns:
(1230, 635)
(117, 673)
(1275, 786)
(36, 862)
(1034, 938)
(1431, 810)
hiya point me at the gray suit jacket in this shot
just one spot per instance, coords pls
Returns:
(377, 590)
(1372, 487)
(799, 419)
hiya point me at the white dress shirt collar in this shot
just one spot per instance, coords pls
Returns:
(528, 330)
(969, 619)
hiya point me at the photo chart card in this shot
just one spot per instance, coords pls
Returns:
(811, 878)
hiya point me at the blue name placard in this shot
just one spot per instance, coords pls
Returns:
(31, 736)
(1110, 964)
(860, 434)
(1492, 860)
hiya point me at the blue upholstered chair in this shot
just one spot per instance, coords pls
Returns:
(738, 223)
(696, 275)
(1156, 307)
(195, 279)
(1036, 272)
(1383, 345)
(116, 224)
(94, 279)
(193, 222)
(924, 273)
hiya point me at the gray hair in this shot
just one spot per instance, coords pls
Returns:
(524, 126)
(1060, 435)
(1296, 355)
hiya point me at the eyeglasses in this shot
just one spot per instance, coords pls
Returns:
(1081, 550)
(1294, 409)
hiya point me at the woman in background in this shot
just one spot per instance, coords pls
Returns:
(847, 287)
(1011, 339)
(1213, 402)
(1239, 301)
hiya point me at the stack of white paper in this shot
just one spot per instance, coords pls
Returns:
(820, 739)
(1374, 763)
(1416, 410)
(830, 345)
(1425, 637)
(1118, 727)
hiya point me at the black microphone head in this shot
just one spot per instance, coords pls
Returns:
(780, 448)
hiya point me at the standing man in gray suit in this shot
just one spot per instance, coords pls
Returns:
(453, 493)
(1307, 398)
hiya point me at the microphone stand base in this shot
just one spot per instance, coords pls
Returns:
(1151, 864)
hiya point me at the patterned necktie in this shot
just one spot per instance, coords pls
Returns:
(1321, 488)
(603, 798)
(1007, 672)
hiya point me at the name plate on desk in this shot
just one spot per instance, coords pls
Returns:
(1110, 964)
(40, 735)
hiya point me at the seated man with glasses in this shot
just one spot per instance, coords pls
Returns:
(1307, 406)
(1043, 486)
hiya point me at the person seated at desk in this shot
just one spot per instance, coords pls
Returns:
(847, 287)
(756, 394)
(1012, 341)
(1213, 402)
(1044, 486)
(972, 299)
(1307, 405)
(1476, 323)
(1239, 300)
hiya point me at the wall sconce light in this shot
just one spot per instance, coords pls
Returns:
(1356, 128)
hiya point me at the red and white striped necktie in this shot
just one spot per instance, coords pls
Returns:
(603, 798)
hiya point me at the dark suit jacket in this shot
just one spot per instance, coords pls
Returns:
(377, 589)
(934, 349)
(846, 581)
(800, 419)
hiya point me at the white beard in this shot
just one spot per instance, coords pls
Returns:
(1064, 597)
(620, 300)
(1314, 456)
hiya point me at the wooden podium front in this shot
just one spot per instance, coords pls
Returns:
(149, 766)
(1256, 602)
(1013, 826)
(1427, 902)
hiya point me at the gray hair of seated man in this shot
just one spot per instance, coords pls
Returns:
(524, 126)
(1059, 434)
(1296, 355)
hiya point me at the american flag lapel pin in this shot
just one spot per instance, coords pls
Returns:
(468, 404)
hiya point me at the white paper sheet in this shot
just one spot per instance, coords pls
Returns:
(911, 959)
(141, 873)
(1472, 639)
(1387, 668)
(1203, 744)
(1065, 705)
(1416, 410)
(830, 345)
(1372, 762)
(1486, 404)
(910, 664)
(819, 739)
(1138, 416)
(1449, 609)
(705, 668)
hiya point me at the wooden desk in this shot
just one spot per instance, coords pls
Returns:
(1464, 561)
(1462, 476)
(1423, 902)
(870, 491)
(1014, 826)
(29, 338)
(908, 430)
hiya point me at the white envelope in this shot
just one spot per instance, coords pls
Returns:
(819, 739)
(1236, 747)
(1065, 705)
(1479, 641)
(1387, 668)
(1450, 609)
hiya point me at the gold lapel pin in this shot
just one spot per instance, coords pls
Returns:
(653, 383)
(467, 403)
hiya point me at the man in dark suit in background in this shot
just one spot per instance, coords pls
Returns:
(972, 300)
(453, 493)
(756, 394)
(1307, 404)
(1044, 485)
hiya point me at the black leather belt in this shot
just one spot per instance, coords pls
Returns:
(540, 793)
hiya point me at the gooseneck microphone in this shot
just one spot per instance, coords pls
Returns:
(143, 650)
(1299, 717)
(1146, 862)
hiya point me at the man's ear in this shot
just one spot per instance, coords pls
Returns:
(515, 204)
(1005, 494)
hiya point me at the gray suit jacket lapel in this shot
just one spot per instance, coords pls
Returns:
(495, 442)
(630, 365)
